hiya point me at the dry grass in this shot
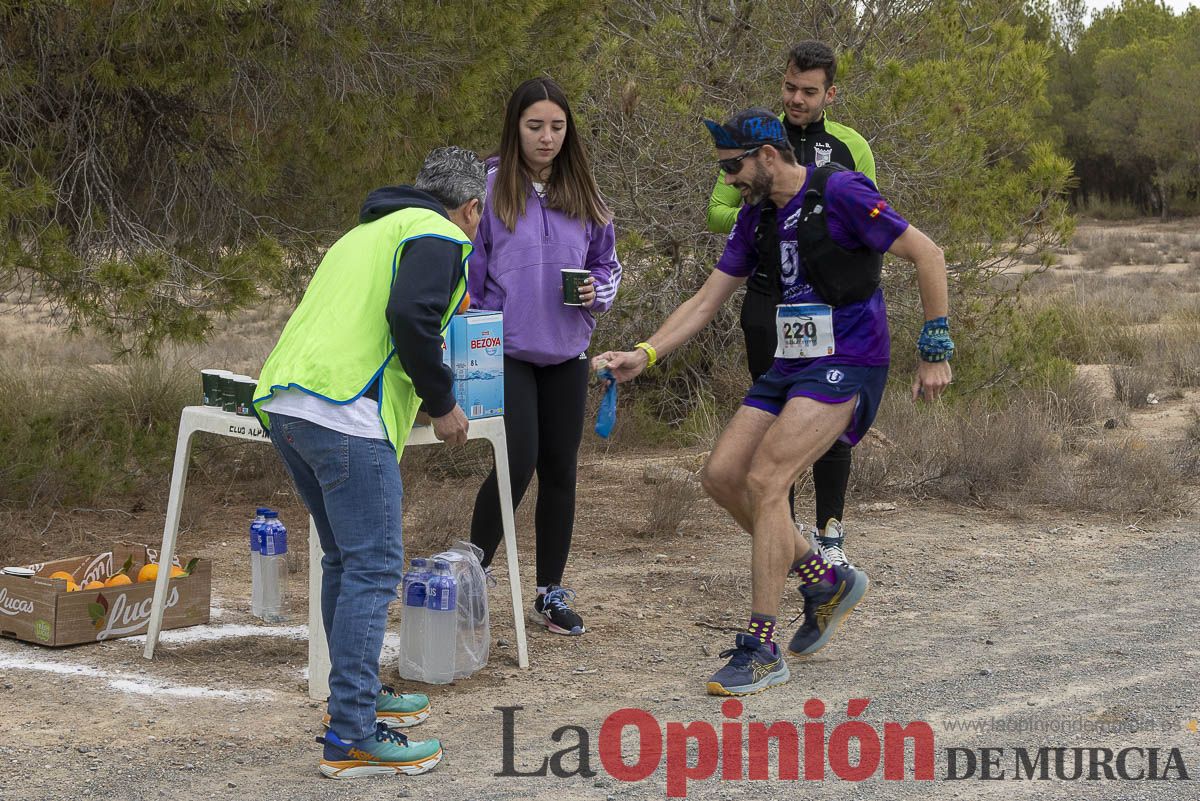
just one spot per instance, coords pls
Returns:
(1178, 247)
(1114, 249)
(1176, 353)
(674, 502)
(1016, 447)
(1133, 385)
(1044, 449)
(1128, 246)
(437, 512)
(1186, 454)
(1130, 479)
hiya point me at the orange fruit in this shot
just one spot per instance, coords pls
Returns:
(149, 572)
(94, 585)
(466, 304)
(62, 574)
(72, 587)
(119, 580)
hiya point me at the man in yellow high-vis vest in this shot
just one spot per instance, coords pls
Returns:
(339, 394)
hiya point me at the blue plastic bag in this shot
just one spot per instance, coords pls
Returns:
(606, 416)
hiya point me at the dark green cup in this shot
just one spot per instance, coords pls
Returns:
(245, 395)
(572, 280)
(211, 380)
(229, 392)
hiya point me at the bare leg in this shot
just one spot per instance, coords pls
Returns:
(803, 432)
(725, 472)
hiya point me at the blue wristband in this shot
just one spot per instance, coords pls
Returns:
(935, 344)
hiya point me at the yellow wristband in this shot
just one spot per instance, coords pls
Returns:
(651, 353)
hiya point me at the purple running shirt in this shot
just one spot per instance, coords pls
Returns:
(857, 216)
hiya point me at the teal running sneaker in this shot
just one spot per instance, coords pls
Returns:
(384, 753)
(752, 668)
(398, 710)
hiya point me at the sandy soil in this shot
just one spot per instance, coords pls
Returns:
(971, 617)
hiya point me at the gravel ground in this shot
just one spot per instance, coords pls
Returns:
(1081, 630)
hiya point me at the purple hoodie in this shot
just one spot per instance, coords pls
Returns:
(517, 272)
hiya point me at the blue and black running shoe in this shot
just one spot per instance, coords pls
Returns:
(752, 668)
(826, 606)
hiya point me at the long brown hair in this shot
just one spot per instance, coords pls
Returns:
(571, 187)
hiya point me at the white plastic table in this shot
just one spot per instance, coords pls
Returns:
(216, 421)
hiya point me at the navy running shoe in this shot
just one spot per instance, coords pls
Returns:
(826, 606)
(752, 668)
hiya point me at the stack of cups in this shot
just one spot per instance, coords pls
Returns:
(229, 391)
(244, 387)
(213, 387)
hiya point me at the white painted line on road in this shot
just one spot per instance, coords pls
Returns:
(130, 683)
(222, 632)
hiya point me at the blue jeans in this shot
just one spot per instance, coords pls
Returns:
(351, 486)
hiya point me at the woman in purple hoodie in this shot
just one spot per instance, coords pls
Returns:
(543, 214)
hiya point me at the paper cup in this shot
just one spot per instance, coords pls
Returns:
(229, 392)
(245, 386)
(572, 280)
(211, 380)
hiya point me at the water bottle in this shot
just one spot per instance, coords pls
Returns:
(441, 624)
(418, 570)
(256, 561)
(274, 569)
(412, 623)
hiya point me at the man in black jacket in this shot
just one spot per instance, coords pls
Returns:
(807, 91)
(339, 394)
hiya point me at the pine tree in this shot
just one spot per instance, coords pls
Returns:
(165, 161)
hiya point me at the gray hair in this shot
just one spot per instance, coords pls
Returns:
(453, 175)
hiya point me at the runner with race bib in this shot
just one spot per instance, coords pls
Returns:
(822, 231)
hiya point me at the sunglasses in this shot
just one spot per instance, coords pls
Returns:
(734, 165)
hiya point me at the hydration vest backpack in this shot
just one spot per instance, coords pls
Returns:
(838, 275)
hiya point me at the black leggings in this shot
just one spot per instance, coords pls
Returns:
(831, 473)
(543, 423)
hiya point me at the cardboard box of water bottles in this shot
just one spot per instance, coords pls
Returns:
(475, 353)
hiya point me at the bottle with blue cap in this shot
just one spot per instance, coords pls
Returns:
(273, 557)
(256, 560)
(441, 624)
(412, 623)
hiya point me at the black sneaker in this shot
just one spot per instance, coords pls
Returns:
(553, 611)
(825, 606)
